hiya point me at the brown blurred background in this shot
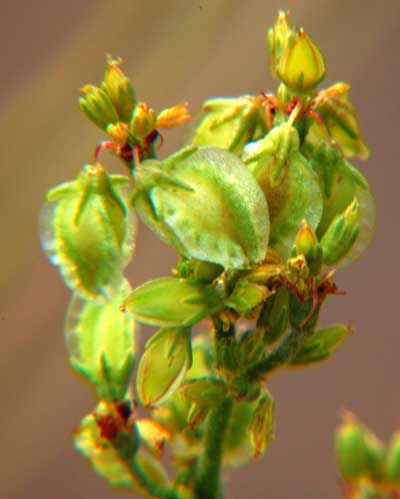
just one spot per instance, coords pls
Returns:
(181, 50)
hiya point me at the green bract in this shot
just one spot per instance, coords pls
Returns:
(349, 206)
(101, 342)
(205, 204)
(289, 184)
(228, 123)
(171, 302)
(87, 232)
(163, 365)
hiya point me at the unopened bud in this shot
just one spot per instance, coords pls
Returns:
(262, 424)
(98, 107)
(351, 451)
(306, 243)
(301, 65)
(274, 316)
(119, 89)
(173, 116)
(278, 39)
(391, 470)
(143, 120)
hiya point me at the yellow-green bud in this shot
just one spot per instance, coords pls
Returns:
(274, 316)
(262, 424)
(391, 470)
(143, 121)
(306, 243)
(278, 39)
(351, 450)
(98, 107)
(301, 65)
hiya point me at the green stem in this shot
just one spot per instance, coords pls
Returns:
(207, 477)
(283, 353)
(161, 491)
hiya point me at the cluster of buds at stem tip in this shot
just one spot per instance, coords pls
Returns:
(131, 125)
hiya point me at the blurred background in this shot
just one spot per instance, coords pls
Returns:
(180, 50)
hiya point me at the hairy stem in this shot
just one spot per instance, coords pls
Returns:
(207, 477)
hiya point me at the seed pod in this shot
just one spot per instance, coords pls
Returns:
(228, 123)
(171, 302)
(206, 391)
(86, 231)
(105, 454)
(163, 365)
(262, 424)
(97, 106)
(205, 204)
(119, 89)
(101, 343)
(289, 184)
(321, 345)
(351, 451)
(341, 184)
(391, 468)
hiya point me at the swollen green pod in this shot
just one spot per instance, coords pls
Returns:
(289, 184)
(87, 232)
(206, 204)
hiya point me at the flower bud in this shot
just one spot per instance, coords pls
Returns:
(205, 392)
(251, 349)
(391, 469)
(97, 106)
(320, 345)
(306, 243)
(273, 318)
(246, 295)
(119, 89)
(163, 365)
(278, 39)
(262, 424)
(173, 116)
(341, 234)
(101, 343)
(143, 121)
(343, 187)
(301, 65)
(86, 231)
(228, 123)
(206, 204)
(171, 302)
(375, 455)
(339, 118)
(289, 184)
(351, 451)
(198, 270)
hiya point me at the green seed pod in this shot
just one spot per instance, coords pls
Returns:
(274, 316)
(321, 345)
(262, 424)
(172, 302)
(205, 204)
(228, 123)
(341, 234)
(108, 452)
(101, 343)
(351, 450)
(289, 184)
(119, 89)
(163, 365)
(341, 184)
(98, 107)
(301, 65)
(205, 392)
(87, 232)
(339, 118)
(391, 467)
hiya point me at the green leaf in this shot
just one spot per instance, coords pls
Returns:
(163, 365)
(206, 391)
(171, 302)
(101, 343)
(88, 233)
(289, 184)
(206, 205)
